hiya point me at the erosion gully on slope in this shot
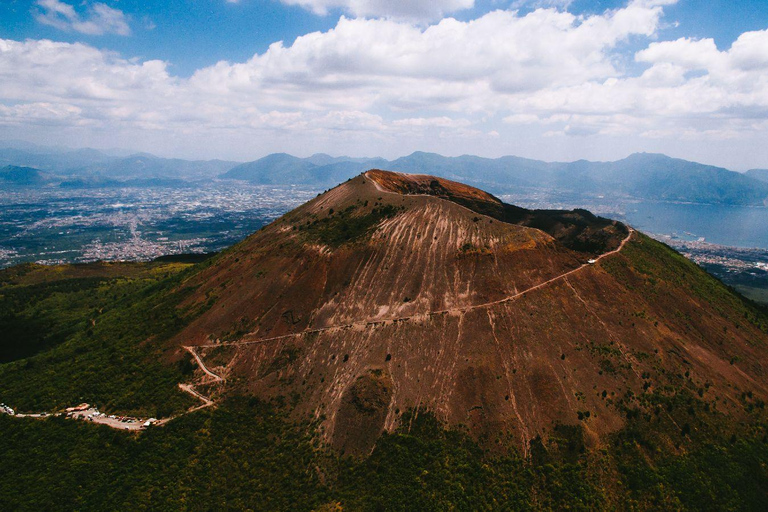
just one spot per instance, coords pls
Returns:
(464, 309)
(214, 378)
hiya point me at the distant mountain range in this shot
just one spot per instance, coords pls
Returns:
(320, 169)
(642, 175)
(100, 166)
(17, 175)
(758, 174)
(29, 176)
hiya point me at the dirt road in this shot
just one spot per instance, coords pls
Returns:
(189, 388)
(202, 366)
(372, 323)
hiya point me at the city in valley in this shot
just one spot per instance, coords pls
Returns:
(51, 226)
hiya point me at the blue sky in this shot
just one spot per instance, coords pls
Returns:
(188, 34)
(548, 79)
(195, 33)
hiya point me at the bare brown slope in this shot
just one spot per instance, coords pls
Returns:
(422, 254)
(491, 325)
(578, 230)
(423, 184)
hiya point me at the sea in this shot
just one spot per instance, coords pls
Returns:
(734, 226)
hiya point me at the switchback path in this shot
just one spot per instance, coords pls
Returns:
(190, 388)
(464, 309)
(138, 424)
(208, 402)
(191, 350)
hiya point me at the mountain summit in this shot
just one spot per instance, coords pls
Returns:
(394, 293)
(400, 342)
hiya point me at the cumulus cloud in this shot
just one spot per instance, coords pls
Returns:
(424, 10)
(451, 64)
(381, 79)
(100, 18)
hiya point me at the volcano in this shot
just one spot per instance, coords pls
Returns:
(395, 294)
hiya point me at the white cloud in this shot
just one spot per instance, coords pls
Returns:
(41, 113)
(539, 4)
(449, 65)
(687, 53)
(504, 76)
(423, 10)
(522, 119)
(432, 122)
(100, 19)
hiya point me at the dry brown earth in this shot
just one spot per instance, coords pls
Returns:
(491, 324)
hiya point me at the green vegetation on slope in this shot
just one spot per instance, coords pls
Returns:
(247, 454)
(656, 268)
(92, 334)
(40, 316)
(676, 451)
(425, 467)
(349, 225)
